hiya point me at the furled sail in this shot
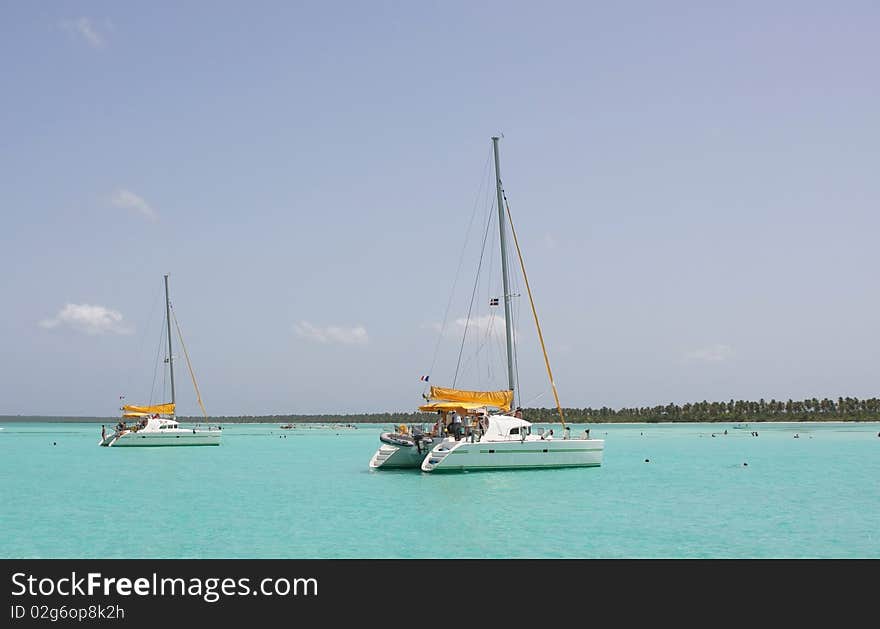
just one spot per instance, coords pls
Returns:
(461, 407)
(499, 399)
(130, 410)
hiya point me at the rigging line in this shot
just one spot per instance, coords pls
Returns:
(156, 362)
(515, 315)
(513, 280)
(165, 371)
(189, 365)
(458, 270)
(534, 312)
(473, 295)
(483, 342)
(143, 336)
(515, 305)
(495, 287)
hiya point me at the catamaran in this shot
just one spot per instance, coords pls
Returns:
(488, 436)
(156, 424)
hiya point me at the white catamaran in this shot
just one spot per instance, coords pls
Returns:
(156, 424)
(475, 430)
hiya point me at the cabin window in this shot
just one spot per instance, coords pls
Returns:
(514, 431)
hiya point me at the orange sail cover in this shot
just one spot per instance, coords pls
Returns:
(130, 410)
(499, 399)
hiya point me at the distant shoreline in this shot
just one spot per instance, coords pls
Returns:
(407, 418)
(843, 409)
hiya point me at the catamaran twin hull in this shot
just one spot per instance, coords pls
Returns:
(454, 456)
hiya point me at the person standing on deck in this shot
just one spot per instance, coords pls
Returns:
(456, 425)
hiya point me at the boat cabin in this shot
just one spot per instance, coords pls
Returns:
(148, 423)
(506, 428)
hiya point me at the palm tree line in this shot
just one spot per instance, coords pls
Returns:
(810, 409)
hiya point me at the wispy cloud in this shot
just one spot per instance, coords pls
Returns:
(356, 335)
(711, 354)
(127, 200)
(490, 325)
(487, 325)
(88, 31)
(88, 319)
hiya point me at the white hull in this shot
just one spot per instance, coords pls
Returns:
(390, 457)
(399, 456)
(144, 438)
(532, 453)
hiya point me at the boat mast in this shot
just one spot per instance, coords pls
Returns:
(507, 320)
(170, 355)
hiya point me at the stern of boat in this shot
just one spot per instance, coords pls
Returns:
(439, 453)
(390, 456)
(383, 455)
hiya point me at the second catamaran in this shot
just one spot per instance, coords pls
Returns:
(156, 424)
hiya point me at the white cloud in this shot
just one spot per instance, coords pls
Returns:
(88, 319)
(712, 354)
(356, 335)
(487, 325)
(128, 200)
(490, 325)
(87, 30)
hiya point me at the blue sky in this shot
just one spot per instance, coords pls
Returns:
(694, 186)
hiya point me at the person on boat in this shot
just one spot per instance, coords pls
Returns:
(482, 422)
(103, 432)
(437, 428)
(518, 413)
(417, 436)
(456, 425)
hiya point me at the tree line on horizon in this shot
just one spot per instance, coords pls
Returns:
(811, 409)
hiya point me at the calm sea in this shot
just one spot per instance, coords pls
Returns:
(664, 491)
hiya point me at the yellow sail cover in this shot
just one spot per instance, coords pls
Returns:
(451, 406)
(130, 410)
(498, 399)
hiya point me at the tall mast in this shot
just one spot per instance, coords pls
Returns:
(507, 320)
(170, 355)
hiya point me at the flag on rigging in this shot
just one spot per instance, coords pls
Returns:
(493, 301)
(424, 378)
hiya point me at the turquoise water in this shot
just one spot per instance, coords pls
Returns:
(308, 493)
